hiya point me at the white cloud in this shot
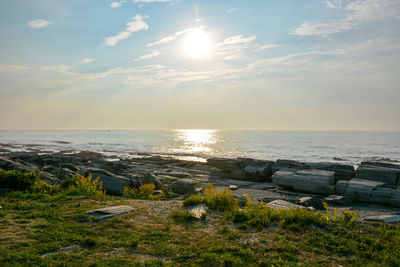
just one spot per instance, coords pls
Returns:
(39, 23)
(237, 39)
(87, 60)
(356, 13)
(148, 56)
(152, 1)
(171, 37)
(267, 46)
(115, 5)
(232, 10)
(136, 25)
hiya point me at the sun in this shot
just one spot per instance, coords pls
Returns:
(197, 44)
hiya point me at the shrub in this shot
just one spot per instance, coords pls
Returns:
(193, 200)
(260, 216)
(220, 199)
(143, 192)
(18, 181)
(66, 183)
(87, 186)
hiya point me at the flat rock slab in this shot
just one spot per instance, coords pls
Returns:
(335, 199)
(360, 189)
(62, 250)
(384, 218)
(281, 204)
(110, 212)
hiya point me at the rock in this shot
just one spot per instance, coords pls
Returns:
(198, 190)
(262, 186)
(316, 203)
(281, 204)
(342, 172)
(361, 190)
(223, 163)
(381, 196)
(395, 198)
(312, 181)
(340, 187)
(10, 165)
(174, 174)
(379, 172)
(233, 187)
(335, 199)
(90, 155)
(258, 170)
(150, 178)
(157, 192)
(384, 218)
(199, 211)
(184, 186)
(284, 164)
(62, 250)
(112, 183)
(110, 212)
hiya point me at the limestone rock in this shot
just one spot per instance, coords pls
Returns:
(312, 181)
(223, 163)
(360, 190)
(314, 202)
(151, 178)
(395, 198)
(110, 212)
(184, 186)
(382, 172)
(335, 199)
(281, 204)
(233, 187)
(342, 172)
(394, 219)
(381, 196)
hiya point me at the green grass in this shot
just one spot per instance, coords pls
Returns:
(33, 225)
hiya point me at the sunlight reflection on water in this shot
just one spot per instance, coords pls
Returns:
(196, 140)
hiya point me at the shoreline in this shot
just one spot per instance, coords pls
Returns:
(243, 176)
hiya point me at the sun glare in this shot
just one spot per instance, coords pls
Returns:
(197, 44)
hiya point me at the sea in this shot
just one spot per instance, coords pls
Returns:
(197, 145)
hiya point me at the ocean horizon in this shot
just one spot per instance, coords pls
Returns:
(198, 145)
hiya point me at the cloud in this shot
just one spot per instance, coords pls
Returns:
(267, 46)
(115, 5)
(232, 10)
(148, 56)
(163, 40)
(172, 37)
(152, 1)
(136, 25)
(356, 13)
(237, 39)
(39, 23)
(87, 60)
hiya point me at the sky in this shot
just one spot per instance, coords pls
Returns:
(205, 64)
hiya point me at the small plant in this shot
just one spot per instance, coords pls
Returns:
(220, 199)
(143, 192)
(133, 243)
(194, 200)
(182, 216)
(87, 186)
(89, 242)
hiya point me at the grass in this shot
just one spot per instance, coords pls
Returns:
(35, 226)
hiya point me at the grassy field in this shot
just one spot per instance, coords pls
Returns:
(34, 227)
(48, 226)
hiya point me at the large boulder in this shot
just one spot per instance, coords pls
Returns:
(259, 170)
(222, 163)
(184, 186)
(311, 181)
(359, 190)
(379, 171)
(342, 172)
(114, 184)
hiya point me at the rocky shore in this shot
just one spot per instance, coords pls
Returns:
(372, 189)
